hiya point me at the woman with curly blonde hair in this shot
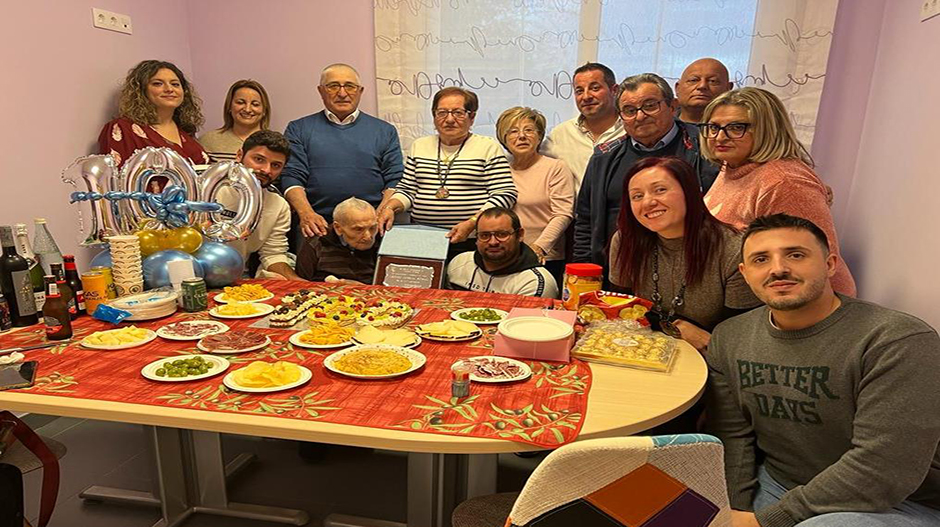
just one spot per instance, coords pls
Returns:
(765, 169)
(159, 108)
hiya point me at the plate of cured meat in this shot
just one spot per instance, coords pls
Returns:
(493, 369)
(191, 329)
(231, 342)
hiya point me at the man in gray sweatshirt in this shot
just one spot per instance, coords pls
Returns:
(829, 407)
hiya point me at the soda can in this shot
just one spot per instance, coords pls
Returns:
(95, 285)
(195, 296)
(109, 280)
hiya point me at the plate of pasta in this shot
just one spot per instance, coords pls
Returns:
(374, 361)
(323, 336)
(244, 293)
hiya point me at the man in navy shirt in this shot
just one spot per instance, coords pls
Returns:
(338, 153)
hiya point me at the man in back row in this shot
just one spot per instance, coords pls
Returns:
(701, 82)
(826, 405)
(338, 153)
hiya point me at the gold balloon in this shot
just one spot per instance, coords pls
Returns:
(169, 239)
(189, 239)
(149, 242)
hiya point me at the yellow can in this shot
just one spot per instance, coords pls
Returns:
(95, 285)
(106, 271)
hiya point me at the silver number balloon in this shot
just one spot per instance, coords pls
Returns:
(96, 175)
(152, 169)
(238, 190)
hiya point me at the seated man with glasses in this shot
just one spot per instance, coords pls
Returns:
(338, 153)
(647, 108)
(501, 263)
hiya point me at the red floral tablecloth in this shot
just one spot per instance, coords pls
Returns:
(546, 410)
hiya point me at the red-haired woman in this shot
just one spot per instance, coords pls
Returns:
(669, 249)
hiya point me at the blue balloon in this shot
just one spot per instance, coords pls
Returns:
(222, 264)
(102, 259)
(156, 273)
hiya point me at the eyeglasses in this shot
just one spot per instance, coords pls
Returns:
(515, 132)
(650, 108)
(732, 130)
(459, 114)
(500, 236)
(350, 88)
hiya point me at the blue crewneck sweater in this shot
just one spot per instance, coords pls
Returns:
(334, 162)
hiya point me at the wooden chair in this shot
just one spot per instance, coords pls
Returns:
(654, 481)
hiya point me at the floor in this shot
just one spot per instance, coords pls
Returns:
(347, 480)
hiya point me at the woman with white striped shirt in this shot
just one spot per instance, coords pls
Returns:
(451, 177)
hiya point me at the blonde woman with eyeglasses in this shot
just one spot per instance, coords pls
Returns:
(545, 185)
(765, 169)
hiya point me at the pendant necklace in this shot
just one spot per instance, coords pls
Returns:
(666, 321)
(443, 192)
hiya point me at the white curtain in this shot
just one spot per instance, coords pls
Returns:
(523, 52)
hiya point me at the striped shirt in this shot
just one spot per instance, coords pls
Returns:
(221, 145)
(478, 179)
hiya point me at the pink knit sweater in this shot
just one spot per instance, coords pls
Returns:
(787, 186)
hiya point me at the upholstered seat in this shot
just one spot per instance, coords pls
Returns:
(655, 481)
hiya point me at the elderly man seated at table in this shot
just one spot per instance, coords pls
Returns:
(348, 250)
(501, 263)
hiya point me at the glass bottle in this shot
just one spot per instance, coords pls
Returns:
(35, 270)
(45, 246)
(55, 314)
(71, 277)
(67, 294)
(15, 283)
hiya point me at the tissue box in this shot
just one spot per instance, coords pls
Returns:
(545, 349)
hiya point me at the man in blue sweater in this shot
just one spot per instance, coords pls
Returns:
(338, 153)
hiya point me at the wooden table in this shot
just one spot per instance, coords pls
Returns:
(442, 469)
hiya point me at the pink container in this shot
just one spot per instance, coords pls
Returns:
(536, 334)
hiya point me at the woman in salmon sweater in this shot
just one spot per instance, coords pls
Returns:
(765, 169)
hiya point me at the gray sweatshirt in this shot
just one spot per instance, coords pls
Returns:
(845, 413)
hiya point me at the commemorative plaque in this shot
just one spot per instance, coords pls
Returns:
(412, 256)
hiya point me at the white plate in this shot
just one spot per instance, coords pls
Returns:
(443, 338)
(150, 336)
(266, 309)
(526, 370)
(267, 342)
(150, 371)
(229, 381)
(417, 360)
(295, 340)
(413, 345)
(535, 329)
(456, 315)
(220, 328)
(220, 298)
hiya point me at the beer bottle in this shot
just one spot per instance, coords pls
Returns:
(71, 277)
(64, 289)
(55, 312)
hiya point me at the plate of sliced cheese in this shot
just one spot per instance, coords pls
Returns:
(449, 330)
(392, 337)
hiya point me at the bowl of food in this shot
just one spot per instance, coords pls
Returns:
(374, 361)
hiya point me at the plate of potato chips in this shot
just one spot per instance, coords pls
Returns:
(118, 339)
(449, 330)
(323, 336)
(244, 293)
(241, 310)
(263, 377)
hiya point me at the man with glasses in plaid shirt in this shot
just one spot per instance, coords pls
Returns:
(501, 263)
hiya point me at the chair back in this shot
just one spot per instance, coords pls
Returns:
(654, 481)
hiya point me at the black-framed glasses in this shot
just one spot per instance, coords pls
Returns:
(351, 88)
(732, 130)
(459, 113)
(650, 108)
(500, 236)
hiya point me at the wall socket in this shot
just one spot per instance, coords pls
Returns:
(112, 21)
(929, 9)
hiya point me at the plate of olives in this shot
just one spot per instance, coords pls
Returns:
(185, 368)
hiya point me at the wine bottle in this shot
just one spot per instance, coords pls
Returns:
(55, 314)
(35, 270)
(67, 294)
(45, 246)
(71, 277)
(15, 283)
